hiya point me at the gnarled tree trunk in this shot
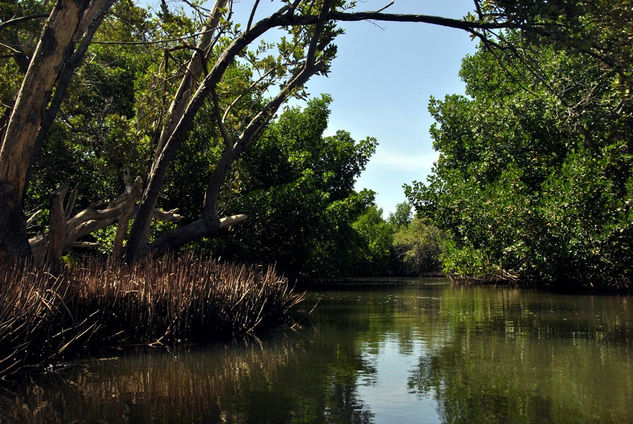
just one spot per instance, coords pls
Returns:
(166, 145)
(62, 44)
(67, 229)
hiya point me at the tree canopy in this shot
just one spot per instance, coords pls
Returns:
(534, 181)
(121, 127)
(297, 188)
(188, 77)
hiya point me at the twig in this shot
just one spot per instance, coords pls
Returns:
(250, 19)
(386, 7)
(145, 43)
(22, 19)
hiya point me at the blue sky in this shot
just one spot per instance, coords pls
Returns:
(381, 83)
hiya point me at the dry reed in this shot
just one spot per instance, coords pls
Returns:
(44, 317)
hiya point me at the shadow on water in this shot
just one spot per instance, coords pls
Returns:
(413, 352)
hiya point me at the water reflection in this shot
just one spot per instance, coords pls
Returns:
(399, 354)
(521, 357)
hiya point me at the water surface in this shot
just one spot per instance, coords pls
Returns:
(414, 352)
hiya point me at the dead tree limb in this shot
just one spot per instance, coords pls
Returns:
(66, 230)
(56, 238)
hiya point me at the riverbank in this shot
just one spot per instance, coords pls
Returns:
(500, 280)
(46, 318)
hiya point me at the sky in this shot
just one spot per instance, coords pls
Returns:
(381, 82)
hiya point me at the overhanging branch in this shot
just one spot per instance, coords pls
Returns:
(14, 21)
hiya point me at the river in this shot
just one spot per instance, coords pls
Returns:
(418, 351)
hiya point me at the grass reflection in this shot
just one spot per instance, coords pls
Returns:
(299, 379)
(466, 355)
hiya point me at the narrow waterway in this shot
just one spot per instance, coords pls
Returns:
(413, 352)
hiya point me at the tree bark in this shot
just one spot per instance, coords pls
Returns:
(195, 68)
(124, 218)
(59, 228)
(66, 25)
(209, 222)
(67, 229)
(34, 94)
(138, 236)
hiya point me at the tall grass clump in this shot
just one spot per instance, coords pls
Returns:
(96, 304)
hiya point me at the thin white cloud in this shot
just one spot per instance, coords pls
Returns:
(403, 161)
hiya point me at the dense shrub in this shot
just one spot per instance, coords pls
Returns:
(418, 247)
(534, 181)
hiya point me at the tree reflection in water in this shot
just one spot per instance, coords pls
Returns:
(525, 357)
(290, 380)
(471, 355)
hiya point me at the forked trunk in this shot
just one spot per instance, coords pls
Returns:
(196, 67)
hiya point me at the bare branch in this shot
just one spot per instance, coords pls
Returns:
(148, 43)
(478, 9)
(85, 244)
(194, 69)
(229, 221)
(414, 18)
(13, 48)
(216, 109)
(310, 58)
(252, 86)
(22, 19)
(32, 218)
(310, 67)
(250, 19)
(89, 220)
(386, 7)
(167, 216)
(200, 10)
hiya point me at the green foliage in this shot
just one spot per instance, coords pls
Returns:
(295, 184)
(376, 235)
(95, 143)
(402, 216)
(102, 137)
(297, 188)
(600, 28)
(418, 247)
(533, 179)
